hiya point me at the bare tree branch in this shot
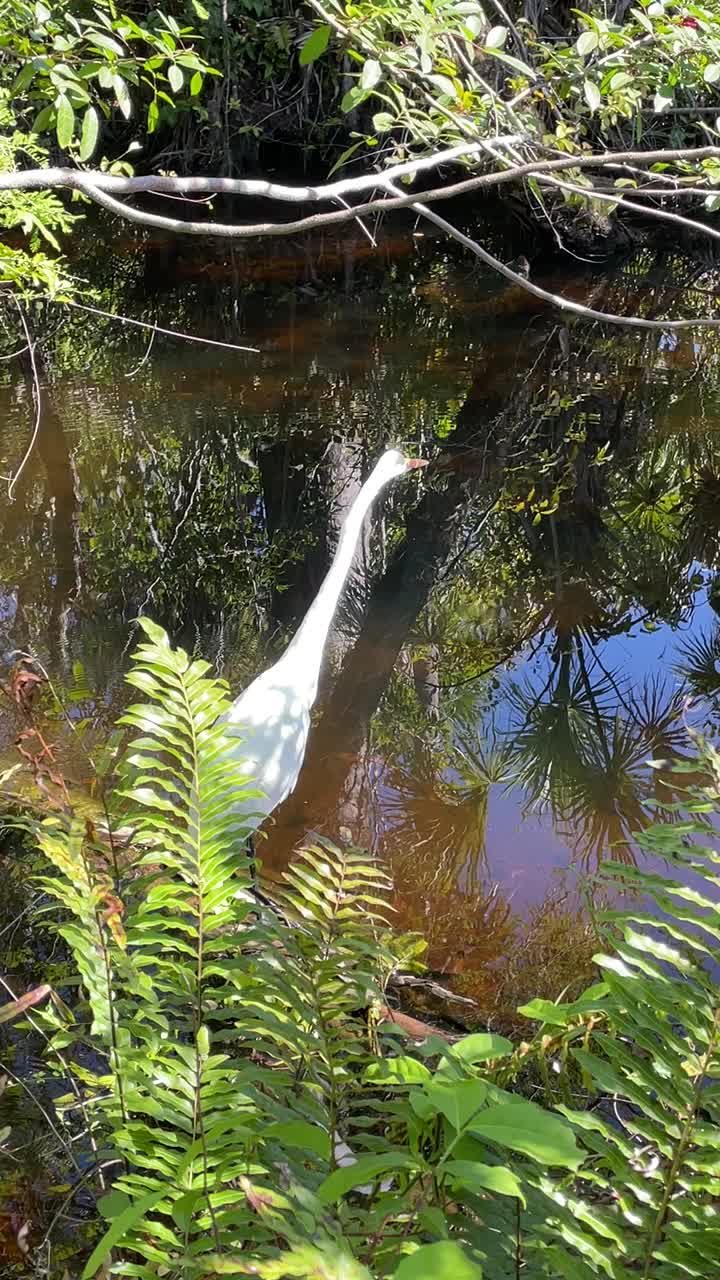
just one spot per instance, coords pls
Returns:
(30, 341)
(98, 187)
(555, 299)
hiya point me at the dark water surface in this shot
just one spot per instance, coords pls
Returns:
(526, 621)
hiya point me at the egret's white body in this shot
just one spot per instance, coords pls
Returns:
(270, 721)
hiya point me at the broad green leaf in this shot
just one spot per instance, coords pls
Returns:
(592, 94)
(445, 85)
(90, 128)
(175, 76)
(106, 42)
(315, 45)
(458, 1102)
(444, 1260)
(353, 98)
(123, 96)
(523, 1126)
(44, 119)
(400, 1071)
(496, 37)
(65, 121)
(200, 10)
(587, 42)
(484, 1177)
(119, 1227)
(113, 1204)
(365, 1169)
(196, 83)
(298, 1133)
(153, 115)
(382, 121)
(711, 74)
(483, 1046)
(371, 74)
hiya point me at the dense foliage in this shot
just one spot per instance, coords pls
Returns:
(255, 1117)
(203, 88)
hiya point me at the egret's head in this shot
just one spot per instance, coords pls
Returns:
(394, 463)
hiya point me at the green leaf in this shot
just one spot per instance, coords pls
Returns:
(484, 1177)
(298, 1133)
(153, 115)
(481, 1047)
(458, 1102)
(113, 1204)
(101, 41)
(445, 85)
(365, 1169)
(382, 121)
(398, 1071)
(586, 42)
(711, 74)
(353, 98)
(90, 128)
(65, 122)
(621, 80)
(371, 74)
(119, 1228)
(523, 1126)
(200, 10)
(175, 76)
(123, 96)
(196, 84)
(592, 94)
(315, 45)
(44, 119)
(496, 37)
(443, 1260)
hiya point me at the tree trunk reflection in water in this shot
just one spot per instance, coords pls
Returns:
(395, 602)
(63, 576)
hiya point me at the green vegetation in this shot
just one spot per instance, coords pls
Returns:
(97, 91)
(233, 1100)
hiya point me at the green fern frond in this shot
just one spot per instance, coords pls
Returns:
(653, 1173)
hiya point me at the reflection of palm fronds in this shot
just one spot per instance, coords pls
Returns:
(657, 712)
(548, 738)
(702, 519)
(448, 817)
(700, 656)
(603, 804)
(478, 769)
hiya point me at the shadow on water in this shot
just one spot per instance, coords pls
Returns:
(521, 633)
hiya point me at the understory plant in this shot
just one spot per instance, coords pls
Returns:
(247, 1110)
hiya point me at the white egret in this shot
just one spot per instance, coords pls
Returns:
(270, 721)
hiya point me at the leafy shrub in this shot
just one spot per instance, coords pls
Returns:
(261, 1120)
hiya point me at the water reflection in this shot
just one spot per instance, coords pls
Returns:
(518, 639)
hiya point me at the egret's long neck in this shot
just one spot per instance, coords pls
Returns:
(306, 648)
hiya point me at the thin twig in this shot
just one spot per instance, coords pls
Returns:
(146, 357)
(36, 395)
(143, 324)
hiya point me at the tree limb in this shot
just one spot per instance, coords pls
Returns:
(555, 299)
(98, 186)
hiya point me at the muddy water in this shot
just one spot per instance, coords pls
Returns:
(524, 623)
